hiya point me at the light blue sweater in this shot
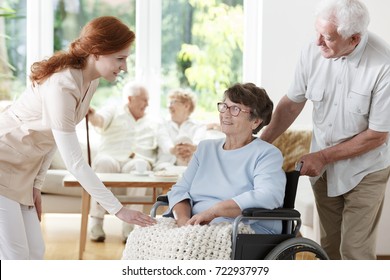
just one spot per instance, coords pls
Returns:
(252, 176)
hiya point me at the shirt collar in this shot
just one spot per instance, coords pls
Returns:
(126, 109)
(355, 56)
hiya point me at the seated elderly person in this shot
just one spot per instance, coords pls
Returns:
(224, 176)
(179, 136)
(240, 171)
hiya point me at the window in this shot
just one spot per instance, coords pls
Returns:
(71, 15)
(201, 49)
(12, 48)
(192, 44)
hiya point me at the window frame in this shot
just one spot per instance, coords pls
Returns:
(40, 37)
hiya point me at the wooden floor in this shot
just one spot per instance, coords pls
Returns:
(61, 234)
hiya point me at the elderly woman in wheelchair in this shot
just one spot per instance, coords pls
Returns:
(240, 171)
(224, 177)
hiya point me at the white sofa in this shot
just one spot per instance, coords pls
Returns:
(58, 199)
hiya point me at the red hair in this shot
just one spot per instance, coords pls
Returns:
(101, 36)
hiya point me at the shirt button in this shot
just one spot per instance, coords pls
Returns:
(330, 125)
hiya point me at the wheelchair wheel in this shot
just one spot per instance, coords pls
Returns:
(297, 249)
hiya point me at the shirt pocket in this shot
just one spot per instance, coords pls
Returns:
(14, 161)
(316, 95)
(358, 109)
(358, 102)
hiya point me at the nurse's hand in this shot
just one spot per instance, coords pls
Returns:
(135, 217)
(37, 202)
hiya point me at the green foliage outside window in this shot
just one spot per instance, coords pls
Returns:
(202, 43)
(69, 19)
(12, 49)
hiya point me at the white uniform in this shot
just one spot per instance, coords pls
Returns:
(45, 115)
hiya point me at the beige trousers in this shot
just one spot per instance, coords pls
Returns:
(349, 222)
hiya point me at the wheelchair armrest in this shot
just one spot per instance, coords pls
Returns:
(163, 198)
(273, 213)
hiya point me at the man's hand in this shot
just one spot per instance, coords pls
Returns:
(94, 118)
(313, 164)
(365, 141)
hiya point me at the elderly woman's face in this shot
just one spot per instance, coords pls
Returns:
(236, 125)
(179, 110)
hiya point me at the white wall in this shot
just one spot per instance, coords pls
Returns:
(287, 25)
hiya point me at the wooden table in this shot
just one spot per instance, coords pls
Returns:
(117, 180)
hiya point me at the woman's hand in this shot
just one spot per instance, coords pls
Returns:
(183, 152)
(37, 202)
(227, 208)
(202, 218)
(135, 217)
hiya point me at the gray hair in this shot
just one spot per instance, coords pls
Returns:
(350, 16)
(184, 96)
(132, 89)
(254, 97)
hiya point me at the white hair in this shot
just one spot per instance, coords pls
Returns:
(132, 89)
(350, 16)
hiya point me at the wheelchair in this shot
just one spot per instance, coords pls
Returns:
(284, 246)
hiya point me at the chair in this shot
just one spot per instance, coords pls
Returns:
(287, 245)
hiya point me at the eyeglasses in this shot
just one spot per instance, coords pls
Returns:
(174, 101)
(234, 110)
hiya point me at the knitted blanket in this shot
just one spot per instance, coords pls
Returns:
(167, 241)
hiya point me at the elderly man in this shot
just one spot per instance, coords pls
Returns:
(128, 139)
(346, 74)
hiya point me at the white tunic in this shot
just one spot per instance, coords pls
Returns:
(27, 144)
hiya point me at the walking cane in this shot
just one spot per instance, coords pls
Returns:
(86, 198)
(88, 146)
